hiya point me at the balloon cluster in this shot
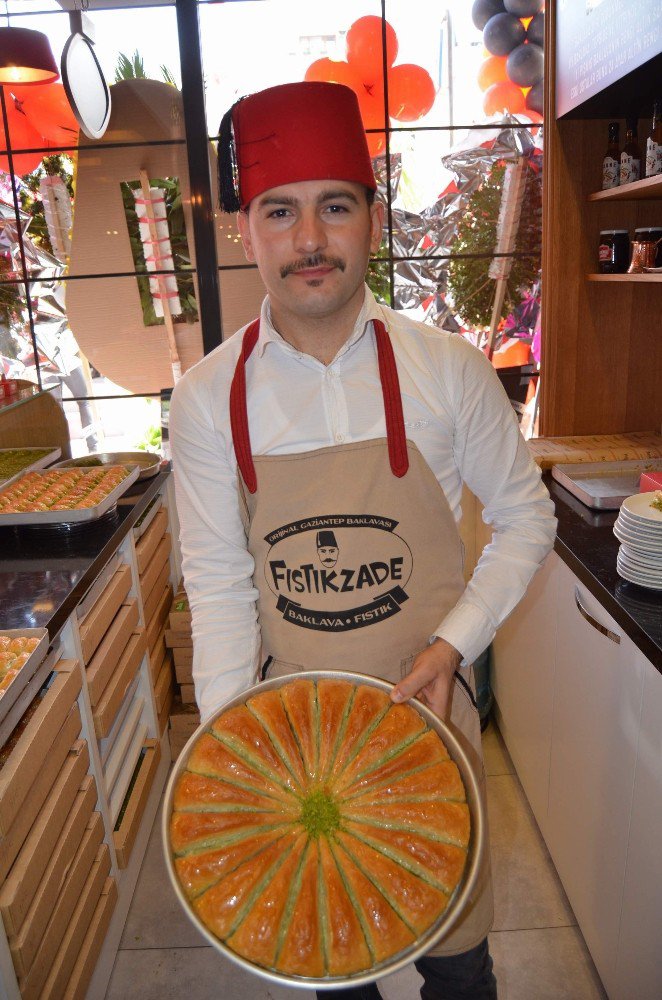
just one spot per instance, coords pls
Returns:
(512, 74)
(39, 117)
(411, 91)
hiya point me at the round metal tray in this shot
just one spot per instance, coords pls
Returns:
(435, 932)
(147, 461)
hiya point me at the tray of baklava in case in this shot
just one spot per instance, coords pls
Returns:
(64, 496)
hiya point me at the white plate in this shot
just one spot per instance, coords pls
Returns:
(637, 559)
(632, 578)
(638, 524)
(637, 541)
(639, 506)
(655, 576)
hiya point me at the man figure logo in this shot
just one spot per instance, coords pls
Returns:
(327, 548)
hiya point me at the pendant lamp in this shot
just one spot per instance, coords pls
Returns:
(26, 57)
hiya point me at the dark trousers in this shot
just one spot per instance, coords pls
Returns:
(460, 977)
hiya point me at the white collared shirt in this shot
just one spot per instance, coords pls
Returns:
(455, 411)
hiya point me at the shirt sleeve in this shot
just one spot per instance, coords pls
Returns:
(217, 566)
(494, 462)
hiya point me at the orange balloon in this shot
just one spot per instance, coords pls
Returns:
(376, 143)
(49, 111)
(22, 135)
(411, 92)
(364, 46)
(504, 96)
(371, 104)
(492, 70)
(333, 71)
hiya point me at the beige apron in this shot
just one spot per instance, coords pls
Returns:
(357, 560)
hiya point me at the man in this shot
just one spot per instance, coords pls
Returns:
(327, 548)
(332, 415)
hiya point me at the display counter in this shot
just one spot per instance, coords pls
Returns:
(82, 776)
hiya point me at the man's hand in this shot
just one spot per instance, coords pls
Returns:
(431, 677)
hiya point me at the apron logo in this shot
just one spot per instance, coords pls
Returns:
(339, 572)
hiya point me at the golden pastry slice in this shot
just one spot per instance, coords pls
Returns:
(344, 942)
(198, 871)
(198, 793)
(439, 781)
(268, 708)
(415, 901)
(333, 700)
(368, 707)
(256, 938)
(239, 730)
(300, 701)
(223, 907)
(397, 729)
(385, 933)
(447, 821)
(426, 750)
(191, 831)
(213, 759)
(438, 863)
(301, 952)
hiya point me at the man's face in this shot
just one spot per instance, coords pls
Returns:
(311, 241)
(328, 555)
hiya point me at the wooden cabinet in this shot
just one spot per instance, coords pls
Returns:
(580, 707)
(524, 657)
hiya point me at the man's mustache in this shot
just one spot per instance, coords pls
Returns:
(308, 263)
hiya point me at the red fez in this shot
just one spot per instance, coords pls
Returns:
(295, 132)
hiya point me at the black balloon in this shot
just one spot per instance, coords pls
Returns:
(523, 8)
(536, 31)
(503, 33)
(483, 10)
(535, 99)
(525, 65)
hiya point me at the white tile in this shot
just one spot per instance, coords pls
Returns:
(551, 964)
(527, 890)
(189, 974)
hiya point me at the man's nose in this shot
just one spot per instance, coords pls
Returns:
(310, 233)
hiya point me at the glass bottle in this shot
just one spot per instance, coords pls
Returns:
(611, 163)
(631, 155)
(654, 143)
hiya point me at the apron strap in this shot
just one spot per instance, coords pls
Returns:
(388, 374)
(395, 421)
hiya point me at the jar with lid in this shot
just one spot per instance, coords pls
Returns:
(614, 251)
(650, 239)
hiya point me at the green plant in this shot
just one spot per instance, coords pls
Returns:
(130, 68)
(468, 281)
(151, 441)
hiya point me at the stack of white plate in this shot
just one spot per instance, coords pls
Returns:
(639, 530)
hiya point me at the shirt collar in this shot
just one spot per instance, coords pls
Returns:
(370, 310)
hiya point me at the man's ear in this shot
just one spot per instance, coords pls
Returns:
(245, 233)
(376, 225)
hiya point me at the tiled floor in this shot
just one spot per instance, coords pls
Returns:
(538, 951)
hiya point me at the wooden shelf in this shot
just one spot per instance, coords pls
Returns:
(624, 277)
(645, 190)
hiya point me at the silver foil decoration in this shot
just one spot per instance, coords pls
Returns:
(421, 284)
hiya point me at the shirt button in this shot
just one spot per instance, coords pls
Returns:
(340, 438)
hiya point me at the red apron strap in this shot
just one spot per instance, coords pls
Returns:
(388, 373)
(239, 411)
(395, 421)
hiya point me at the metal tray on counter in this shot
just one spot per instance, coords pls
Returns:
(10, 696)
(44, 456)
(35, 518)
(604, 485)
(148, 462)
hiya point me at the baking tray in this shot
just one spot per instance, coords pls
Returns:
(58, 517)
(604, 485)
(31, 688)
(29, 668)
(426, 941)
(39, 463)
(148, 462)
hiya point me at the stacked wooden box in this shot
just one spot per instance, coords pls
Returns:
(184, 715)
(153, 548)
(56, 893)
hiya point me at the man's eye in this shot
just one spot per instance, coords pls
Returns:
(334, 209)
(278, 213)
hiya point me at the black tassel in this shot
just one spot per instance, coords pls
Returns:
(228, 177)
